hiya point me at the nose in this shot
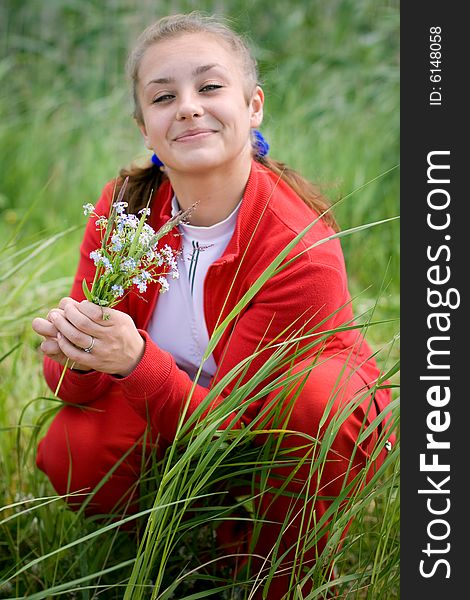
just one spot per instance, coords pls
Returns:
(189, 107)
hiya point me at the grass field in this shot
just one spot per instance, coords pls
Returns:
(330, 73)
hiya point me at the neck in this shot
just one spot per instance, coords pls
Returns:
(216, 193)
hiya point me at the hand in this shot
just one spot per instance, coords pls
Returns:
(50, 346)
(117, 344)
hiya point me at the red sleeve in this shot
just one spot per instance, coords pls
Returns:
(158, 389)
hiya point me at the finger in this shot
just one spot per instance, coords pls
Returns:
(75, 336)
(44, 327)
(80, 321)
(98, 314)
(75, 354)
(67, 301)
(51, 313)
(51, 347)
(72, 313)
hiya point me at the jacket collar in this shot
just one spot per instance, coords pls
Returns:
(256, 197)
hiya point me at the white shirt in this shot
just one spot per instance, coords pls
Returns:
(178, 323)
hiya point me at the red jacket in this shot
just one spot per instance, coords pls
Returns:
(311, 289)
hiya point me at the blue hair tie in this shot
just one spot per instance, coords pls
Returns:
(261, 145)
(156, 161)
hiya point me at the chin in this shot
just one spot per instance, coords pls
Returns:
(199, 164)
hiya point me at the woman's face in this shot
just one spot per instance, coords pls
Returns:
(196, 114)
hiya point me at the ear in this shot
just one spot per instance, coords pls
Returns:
(256, 107)
(143, 131)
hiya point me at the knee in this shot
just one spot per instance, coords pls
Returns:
(321, 422)
(81, 458)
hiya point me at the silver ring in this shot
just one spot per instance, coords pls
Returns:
(90, 347)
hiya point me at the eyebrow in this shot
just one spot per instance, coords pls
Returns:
(197, 71)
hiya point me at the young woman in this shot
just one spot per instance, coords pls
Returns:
(198, 104)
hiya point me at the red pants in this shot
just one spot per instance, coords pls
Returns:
(82, 445)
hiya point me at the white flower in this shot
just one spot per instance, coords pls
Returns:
(96, 257)
(158, 258)
(164, 284)
(101, 222)
(117, 290)
(120, 207)
(129, 221)
(117, 242)
(128, 265)
(107, 264)
(148, 229)
(126, 222)
(167, 252)
(88, 209)
(140, 283)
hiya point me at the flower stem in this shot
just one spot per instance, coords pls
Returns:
(62, 375)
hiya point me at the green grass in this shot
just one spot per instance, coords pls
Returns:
(330, 72)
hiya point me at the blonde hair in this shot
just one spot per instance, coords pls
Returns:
(144, 180)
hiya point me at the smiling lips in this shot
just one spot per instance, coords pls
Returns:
(193, 135)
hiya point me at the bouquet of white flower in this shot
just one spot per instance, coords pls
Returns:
(129, 254)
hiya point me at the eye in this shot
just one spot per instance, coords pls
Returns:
(210, 87)
(163, 98)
